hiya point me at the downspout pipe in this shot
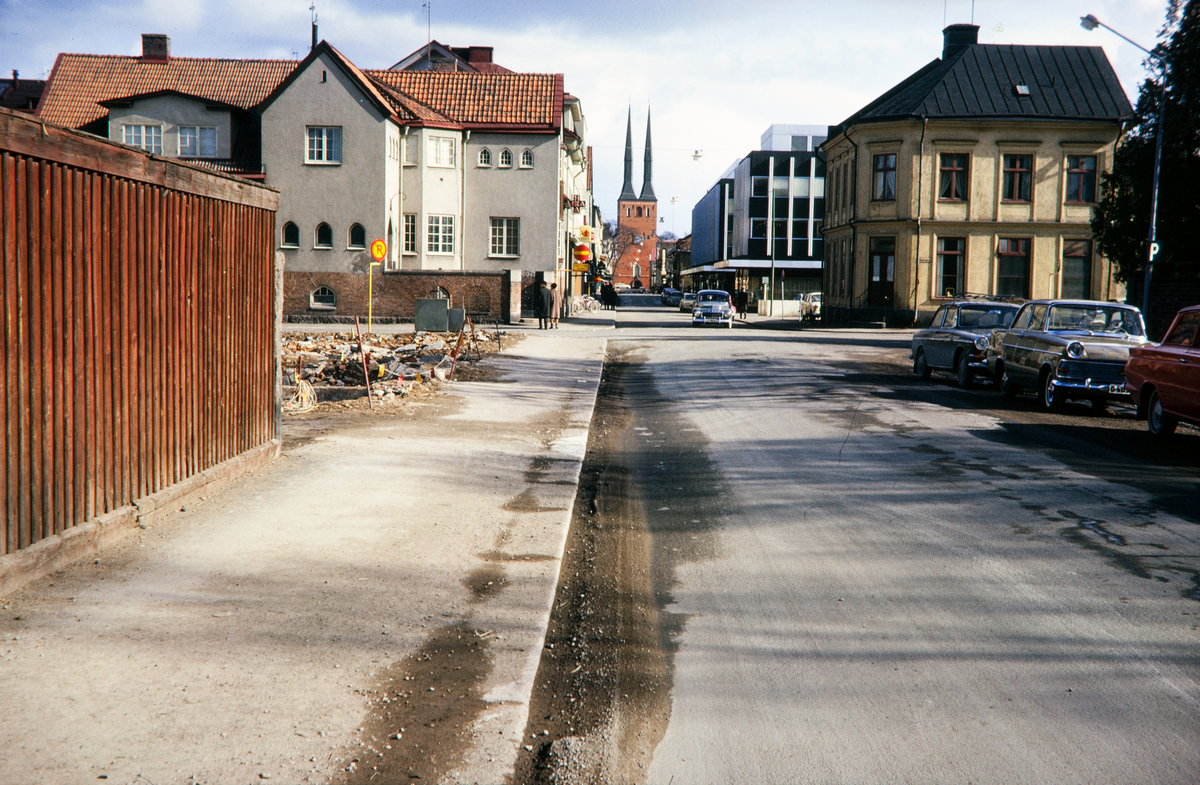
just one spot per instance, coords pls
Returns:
(917, 245)
(853, 231)
(462, 202)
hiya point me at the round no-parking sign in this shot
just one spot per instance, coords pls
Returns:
(378, 250)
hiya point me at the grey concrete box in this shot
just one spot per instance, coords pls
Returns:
(456, 318)
(433, 315)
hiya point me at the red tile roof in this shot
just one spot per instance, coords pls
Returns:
(79, 83)
(516, 100)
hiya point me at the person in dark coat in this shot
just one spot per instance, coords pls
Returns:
(743, 302)
(545, 306)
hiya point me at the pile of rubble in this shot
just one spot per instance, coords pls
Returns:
(329, 367)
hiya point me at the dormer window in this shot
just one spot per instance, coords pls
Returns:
(147, 137)
(197, 141)
(485, 157)
(1021, 90)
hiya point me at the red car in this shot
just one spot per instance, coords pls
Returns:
(1165, 379)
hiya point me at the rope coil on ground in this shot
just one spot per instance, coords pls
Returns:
(305, 399)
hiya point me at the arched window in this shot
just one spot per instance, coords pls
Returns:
(291, 235)
(322, 298)
(639, 212)
(324, 236)
(485, 157)
(438, 293)
(505, 158)
(358, 236)
(527, 159)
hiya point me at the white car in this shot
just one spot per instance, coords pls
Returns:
(810, 307)
(713, 306)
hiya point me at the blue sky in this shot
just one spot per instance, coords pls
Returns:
(716, 74)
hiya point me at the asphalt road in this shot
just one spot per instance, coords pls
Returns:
(900, 581)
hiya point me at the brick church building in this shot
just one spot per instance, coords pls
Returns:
(637, 219)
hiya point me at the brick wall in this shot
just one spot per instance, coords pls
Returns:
(485, 295)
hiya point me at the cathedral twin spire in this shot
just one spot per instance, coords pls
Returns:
(647, 188)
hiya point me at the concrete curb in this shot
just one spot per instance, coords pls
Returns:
(88, 539)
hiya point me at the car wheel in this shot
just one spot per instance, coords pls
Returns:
(1052, 399)
(1008, 388)
(1158, 422)
(963, 371)
(921, 366)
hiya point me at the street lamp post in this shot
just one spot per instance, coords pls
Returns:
(1090, 22)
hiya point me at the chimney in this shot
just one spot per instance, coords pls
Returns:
(956, 38)
(16, 78)
(156, 48)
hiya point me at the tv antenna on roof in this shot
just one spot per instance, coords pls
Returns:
(428, 6)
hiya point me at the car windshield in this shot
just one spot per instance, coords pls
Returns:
(986, 315)
(713, 297)
(1086, 318)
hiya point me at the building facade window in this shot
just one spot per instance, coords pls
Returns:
(1018, 178)
(1077, 269)
(410, 233)
(291, 235)
(759, 186)
(322, 298)
(527, 159)
(324, 236)
(197, 141)
(505, 237)
(324, 145)
(358, 237)
(147, 137)
(506, 158)
(439, 235)
(758, 228)
(1012, 268)
(410, 151)
(884, 184)
(1081, 178)
(440, 151)
(953, 186)
(485, 157)
(951, 257)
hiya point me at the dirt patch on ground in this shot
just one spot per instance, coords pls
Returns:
(602, 702)
(421, 711)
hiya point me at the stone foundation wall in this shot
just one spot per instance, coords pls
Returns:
(484, 295)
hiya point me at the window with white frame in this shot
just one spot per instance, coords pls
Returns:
(485, 157)
(324, 145)
(506, 237)
(505, 158)
(197, 141)
(410, 233)
(441, 151)
(527, 159)
(439, 235)
(323, 237)
(358, 237)
(410, 151)
(147, 137)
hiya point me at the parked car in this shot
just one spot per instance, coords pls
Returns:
(958, 338)
(1165, 379)
(1067, 349)
(687, 301)
(671, 296)
(713, 306)
(810, 307)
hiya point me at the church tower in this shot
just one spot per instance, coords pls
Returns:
(637, 218)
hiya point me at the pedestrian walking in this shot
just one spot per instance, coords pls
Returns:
(743, 302)
(545, 305)
(556, 308)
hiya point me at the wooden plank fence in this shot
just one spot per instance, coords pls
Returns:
(139, 325)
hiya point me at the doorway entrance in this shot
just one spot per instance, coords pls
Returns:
(881, 280)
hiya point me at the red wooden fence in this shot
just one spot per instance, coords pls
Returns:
(139, 348)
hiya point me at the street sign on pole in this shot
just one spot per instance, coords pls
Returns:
(378, 252)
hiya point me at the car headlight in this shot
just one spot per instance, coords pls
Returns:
(982, 343)
(1075, 350)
